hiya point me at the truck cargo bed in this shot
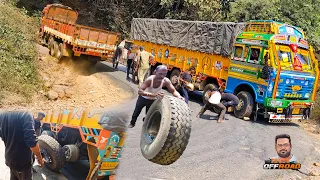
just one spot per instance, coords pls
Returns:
(207, 37)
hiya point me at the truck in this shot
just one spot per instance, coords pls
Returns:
(64, 37)
(98, 135)
(268, 65)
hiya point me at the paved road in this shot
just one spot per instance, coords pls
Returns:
(235, 149)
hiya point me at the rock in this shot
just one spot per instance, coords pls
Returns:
(315, 173)
(41, 92)
(47, 84)
(60, 90)
(316, 164)
(68, 93)
(52, 95)
(102, 105)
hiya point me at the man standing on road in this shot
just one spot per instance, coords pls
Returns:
(283, 147)
(20, 140)
(143, 62)
(186, 78)
(131, 57)
(37, 122)
(150, 90)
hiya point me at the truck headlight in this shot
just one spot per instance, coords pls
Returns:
(307, 95)
(276, 103)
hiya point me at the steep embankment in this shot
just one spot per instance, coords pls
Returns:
(30, 79)
(18, 74)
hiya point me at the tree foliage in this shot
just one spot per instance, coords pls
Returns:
(116, 15)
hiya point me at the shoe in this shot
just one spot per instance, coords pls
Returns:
(131, 125)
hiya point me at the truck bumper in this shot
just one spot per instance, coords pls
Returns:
(281, 118)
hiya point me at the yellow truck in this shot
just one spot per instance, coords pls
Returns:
(67, 135)
(269, 65)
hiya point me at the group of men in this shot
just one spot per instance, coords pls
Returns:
(150, 88)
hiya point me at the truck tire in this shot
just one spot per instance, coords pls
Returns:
(166, 130)
(52, 153)
(55, 49)
(59, 53)
(51, 47)
(174, 78)
(48, 133)
(206, 91)
(245, 106)
(72, 152)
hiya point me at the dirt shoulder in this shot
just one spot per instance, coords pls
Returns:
(68, 86)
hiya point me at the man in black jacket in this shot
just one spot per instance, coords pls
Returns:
(18, 134)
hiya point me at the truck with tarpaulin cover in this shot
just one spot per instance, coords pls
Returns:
(64, 37)
(269, 65)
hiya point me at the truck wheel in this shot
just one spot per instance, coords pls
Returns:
(174, 78)
(59, 53)
(48, 133)
(245, 106)
(72, 152)
(52, 153)
(51, 47)
(166, 130)
(54, 49)
(206, 91)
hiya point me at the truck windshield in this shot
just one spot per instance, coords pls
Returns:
(286, 57)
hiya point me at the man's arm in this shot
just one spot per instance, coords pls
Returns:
(30, 137)
(171, 88)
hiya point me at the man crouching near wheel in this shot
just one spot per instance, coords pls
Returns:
(150, 90)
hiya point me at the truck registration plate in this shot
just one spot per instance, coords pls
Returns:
(108, 165)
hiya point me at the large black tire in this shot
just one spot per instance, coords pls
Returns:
(93, 60)
(174, 78)
(245, 106)
(166, 130)
(52, 153)
(206, 91)
(48, 133)
(72, 152)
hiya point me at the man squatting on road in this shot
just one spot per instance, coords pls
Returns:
(230, 100)
(150, 90)
(20, 140)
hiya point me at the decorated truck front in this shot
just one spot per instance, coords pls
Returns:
(278, 71)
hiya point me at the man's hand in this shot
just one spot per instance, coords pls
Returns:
(40, 161)
(182, 98)
(160, 94)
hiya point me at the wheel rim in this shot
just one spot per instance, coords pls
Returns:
(67, 153)
(46, 156)
(153, 127)
(240, 104)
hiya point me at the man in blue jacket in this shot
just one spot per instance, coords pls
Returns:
(20, 140)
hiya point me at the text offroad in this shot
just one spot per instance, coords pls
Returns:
(282, 166)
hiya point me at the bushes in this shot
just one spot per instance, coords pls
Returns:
(18, 51)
